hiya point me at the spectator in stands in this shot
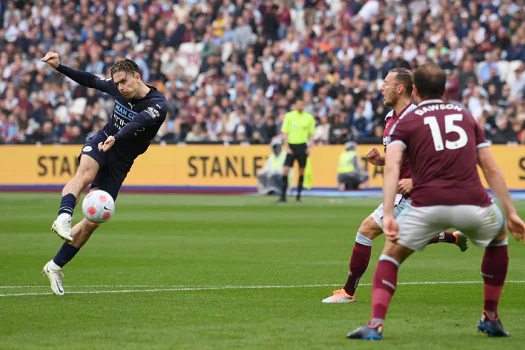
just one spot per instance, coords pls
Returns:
(216, 59)
(517, 84)
(489, 68)
(196, 134)
(515, 50)
(322, 132)
(243, 130)
(340, 132)
(271, 129)
(504, 131)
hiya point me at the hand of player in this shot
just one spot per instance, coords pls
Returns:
(390, 228)
(52, 58)
(516, 227)
(308, 150)
(104, 147)
(404, 186)
(374, 157)
(289, 151)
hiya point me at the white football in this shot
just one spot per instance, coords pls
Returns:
(98, 206)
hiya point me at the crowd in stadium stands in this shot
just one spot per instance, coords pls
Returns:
(231, 69)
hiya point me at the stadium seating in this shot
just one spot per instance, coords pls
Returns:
(191, 49)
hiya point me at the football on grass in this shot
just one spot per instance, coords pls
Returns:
(98, 206)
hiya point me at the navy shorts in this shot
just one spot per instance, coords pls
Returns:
(114, 167)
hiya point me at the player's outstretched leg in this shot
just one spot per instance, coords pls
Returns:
(494, 270)
(86, 173)
(359, 260)
(53, 269)
(455, 237)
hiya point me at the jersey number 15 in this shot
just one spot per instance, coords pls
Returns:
(450, 127)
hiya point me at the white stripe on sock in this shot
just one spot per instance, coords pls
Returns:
(359, 238)
(389, 258)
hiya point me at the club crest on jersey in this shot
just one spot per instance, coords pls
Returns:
(153, 112)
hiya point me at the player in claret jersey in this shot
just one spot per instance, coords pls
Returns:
(397, 93)
(444, 145)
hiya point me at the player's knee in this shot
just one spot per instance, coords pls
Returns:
(397, 253)
(370, 229)
(502, 239)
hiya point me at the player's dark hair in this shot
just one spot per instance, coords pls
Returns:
(404, 77)
(430, 81)
(125, 65)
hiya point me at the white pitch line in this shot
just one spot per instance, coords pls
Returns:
(174, 289)
(96, 286)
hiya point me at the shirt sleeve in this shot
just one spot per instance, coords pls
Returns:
(481, 141)
(286, 124)
(153, 115)
(89, 80)
(399, 135)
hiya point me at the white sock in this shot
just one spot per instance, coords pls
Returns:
(64, 217)
(53, 266)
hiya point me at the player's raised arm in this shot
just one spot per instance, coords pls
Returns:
(81, 77)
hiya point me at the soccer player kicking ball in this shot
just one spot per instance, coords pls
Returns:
(107, 157)
(397, 93)
(444, 144)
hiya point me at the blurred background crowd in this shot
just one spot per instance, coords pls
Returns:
(231, 69)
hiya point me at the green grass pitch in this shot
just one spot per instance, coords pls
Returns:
(232, 272)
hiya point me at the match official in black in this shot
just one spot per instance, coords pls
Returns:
(298, 131)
